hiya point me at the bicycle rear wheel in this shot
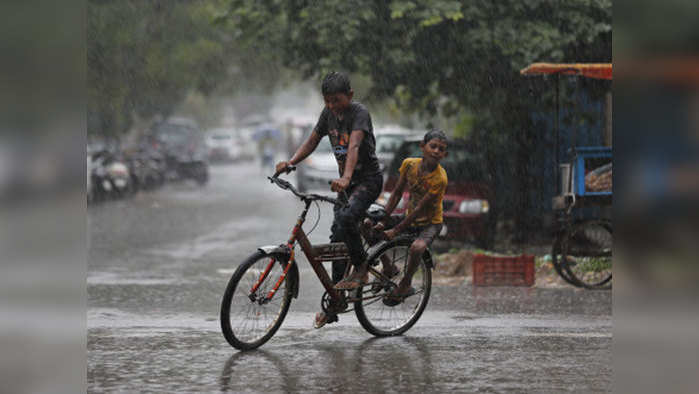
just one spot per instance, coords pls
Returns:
(383, 320)
(249, 317)
(587, 253)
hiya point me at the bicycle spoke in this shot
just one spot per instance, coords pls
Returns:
(388, 318)
(251, 319)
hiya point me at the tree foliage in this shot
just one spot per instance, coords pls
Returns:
(432, 57)
(423, 50)
(145, 56)
(445, 57)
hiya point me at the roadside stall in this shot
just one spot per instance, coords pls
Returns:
(582, 250)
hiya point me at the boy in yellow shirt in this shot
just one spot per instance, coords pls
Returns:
(427, 182)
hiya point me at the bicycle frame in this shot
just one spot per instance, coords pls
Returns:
(316, 256)
(298, 235)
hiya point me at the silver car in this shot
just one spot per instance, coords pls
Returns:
(386, 146)
(318, 169)
(222, 145)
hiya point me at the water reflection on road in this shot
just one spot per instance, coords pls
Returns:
(368, 366)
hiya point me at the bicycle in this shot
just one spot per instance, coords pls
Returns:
(259, 294)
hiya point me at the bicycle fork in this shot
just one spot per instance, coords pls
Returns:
(265, 274)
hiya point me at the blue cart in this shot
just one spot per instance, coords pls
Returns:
(575, 176)
(582, 250)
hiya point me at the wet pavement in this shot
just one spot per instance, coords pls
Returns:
(158, 264)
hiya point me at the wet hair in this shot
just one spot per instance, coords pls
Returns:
(435, 133)
(335, 82)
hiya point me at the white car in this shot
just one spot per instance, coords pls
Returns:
(248, 146)
(386, 146)
(388, 140)
(318, 169)
(222, 145)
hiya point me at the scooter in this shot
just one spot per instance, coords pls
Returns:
(111, 177)
(147, 171)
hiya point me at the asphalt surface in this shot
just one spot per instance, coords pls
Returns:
(159, 262)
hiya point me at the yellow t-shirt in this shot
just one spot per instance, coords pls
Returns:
(433, 183)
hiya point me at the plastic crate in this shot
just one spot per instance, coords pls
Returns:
(503, 271)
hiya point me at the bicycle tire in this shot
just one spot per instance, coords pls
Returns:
(370, 313)
(592, 269)
(248, 272)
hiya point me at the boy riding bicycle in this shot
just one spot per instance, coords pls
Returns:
(348, 126)
(427, 182)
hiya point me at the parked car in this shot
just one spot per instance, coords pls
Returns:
(321, 167)
(222, 145)
(318, 169)
(245, 132)
(182, 143)
(467, 201)
(248, 146)
(388, 140)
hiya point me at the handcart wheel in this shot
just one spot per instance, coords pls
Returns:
(558, 261)
(586, 253)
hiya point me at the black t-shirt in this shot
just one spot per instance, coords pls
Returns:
(356, 117)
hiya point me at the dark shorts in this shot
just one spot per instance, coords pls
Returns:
(426, 233)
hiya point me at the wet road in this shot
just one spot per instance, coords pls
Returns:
(158, 264)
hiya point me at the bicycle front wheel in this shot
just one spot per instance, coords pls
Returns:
(250, 313)
(587, 253)
(383, 320)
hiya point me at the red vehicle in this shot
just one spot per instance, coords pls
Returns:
(467, 201)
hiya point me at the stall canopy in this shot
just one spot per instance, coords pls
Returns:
(590, 70)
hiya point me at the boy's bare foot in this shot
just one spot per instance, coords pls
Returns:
(323, 318)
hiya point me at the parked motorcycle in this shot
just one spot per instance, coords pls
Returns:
(111, 177)
(147, 168)
(184, 149)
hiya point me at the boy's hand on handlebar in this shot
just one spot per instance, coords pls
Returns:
(339, 184)
(282, 166)
(389, 234)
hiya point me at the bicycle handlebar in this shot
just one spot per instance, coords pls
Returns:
(286, 185)
(331, 200)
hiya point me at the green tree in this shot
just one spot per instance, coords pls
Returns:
(421, 51)
(145, 57)
(444, 57)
